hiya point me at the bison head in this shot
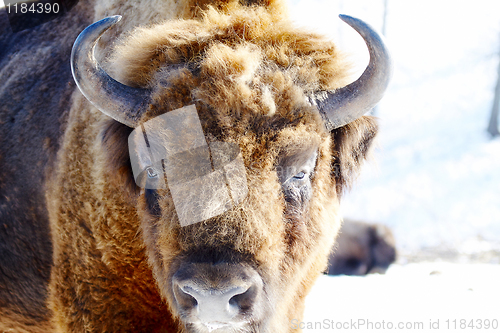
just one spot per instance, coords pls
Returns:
(279, 95)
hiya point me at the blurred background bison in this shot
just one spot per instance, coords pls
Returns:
(362, 248)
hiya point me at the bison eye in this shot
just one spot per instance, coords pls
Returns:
(304, 163)
(301, 175)
(296, 178)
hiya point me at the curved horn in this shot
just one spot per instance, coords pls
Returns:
(122, 103)
(352, 101)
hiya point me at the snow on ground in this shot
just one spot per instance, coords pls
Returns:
(424, 297)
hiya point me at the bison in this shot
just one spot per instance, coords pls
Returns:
(362, 248)
(96, 235)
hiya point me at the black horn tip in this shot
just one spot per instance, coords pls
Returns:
(362, 28)
(115, 18)
(357, 24)
(346, 18)
(110, 20)
(354, 22)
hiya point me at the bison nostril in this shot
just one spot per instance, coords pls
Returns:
(185, 300)
(245, 300)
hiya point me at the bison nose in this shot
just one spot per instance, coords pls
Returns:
(220, 294)
(216, 305)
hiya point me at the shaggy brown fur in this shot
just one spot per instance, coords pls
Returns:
(35, 93)
(248, 70)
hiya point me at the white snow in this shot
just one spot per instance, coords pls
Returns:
(415, 295)
(435, 176)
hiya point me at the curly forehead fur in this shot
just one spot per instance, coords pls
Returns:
(250, 59)
(243, 62)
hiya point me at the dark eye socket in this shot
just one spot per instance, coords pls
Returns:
(300, 175)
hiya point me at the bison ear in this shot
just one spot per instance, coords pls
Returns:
(350, 146)
(114, 139)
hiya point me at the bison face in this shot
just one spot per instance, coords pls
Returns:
(262, 86)
(245, 269)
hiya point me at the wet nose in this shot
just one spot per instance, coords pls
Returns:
(215, 305)
(217, 294)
